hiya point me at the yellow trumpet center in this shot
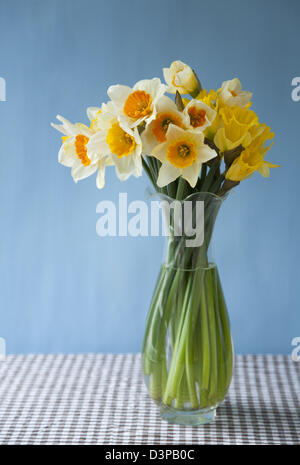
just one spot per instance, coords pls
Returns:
(197, 117)
(161, 124)
(81, 150)
(138, 104)
(119, 141)
(234, 94)
(181, 154)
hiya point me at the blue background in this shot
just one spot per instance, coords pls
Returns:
(64, 289)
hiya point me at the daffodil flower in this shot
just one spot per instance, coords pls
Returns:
(252, 158)
(235, 127)
(74, 154)
(199, 115)
(155, 132)
(138, 104)
(209, 98)
(181, 154)
(181, 77)
(122, 144)
(231, 94)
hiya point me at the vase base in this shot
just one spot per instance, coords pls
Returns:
(188, 418)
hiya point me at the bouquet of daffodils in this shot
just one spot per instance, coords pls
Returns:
(181, 144)
(197, 146)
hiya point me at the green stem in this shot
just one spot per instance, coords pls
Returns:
(149, 173)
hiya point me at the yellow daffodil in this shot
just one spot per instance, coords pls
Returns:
(209, 98)
(181, 154)
(155, 132)
(199, 115)
(116, 140)
(252, 158)
(137, 104)
(234, 127)
(74, 153)
(231, 94)
(180, 77)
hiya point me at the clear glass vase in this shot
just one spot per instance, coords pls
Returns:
(187, 350)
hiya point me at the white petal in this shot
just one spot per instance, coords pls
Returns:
(100, 180)
(138, 164)
(83, 129)
(65, 159)
(167, 174)
(167, 75)
(235, 85)
(118, 94)
(151, 86)
(148, 139)
(205, 153)
(125, 167)
(92, 112)
(97, 144)
(191, 173)
(68, 126)
(160, 152)
(79, 171)
(175, 132)
(166, 104)
(60, 128)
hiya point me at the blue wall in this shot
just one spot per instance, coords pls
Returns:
(63, 289)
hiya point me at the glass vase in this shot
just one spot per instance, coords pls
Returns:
(187, 350)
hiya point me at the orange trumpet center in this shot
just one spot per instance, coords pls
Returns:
(138, 104)
(197, 117)
(81, 150)
(181, 154)
(161, 124)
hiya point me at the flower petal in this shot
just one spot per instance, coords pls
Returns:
(92, 112)
(100, 180)
(79, 171)
(167, 174)
(160, 152)
(191, 173)
(118, 94)
(97, 144)
(65, 158)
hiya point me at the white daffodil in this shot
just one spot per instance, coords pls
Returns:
(199, 114)
(155, 132)
(92, 113)
(180, 77)
(122, 144)
(182, 154)
(231, 94)
(137, 104)
(74, 154)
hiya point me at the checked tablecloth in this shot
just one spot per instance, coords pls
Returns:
(101, 399)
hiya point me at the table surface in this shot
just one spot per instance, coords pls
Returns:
(101, 399)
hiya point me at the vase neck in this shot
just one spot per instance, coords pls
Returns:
(189, 225)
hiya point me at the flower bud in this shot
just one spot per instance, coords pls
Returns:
(181, 77)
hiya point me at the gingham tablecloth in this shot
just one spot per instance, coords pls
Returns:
(101, 399)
